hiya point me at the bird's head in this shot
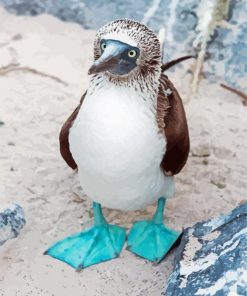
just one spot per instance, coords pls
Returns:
(126, 48)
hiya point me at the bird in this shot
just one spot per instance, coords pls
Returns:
(127, 138)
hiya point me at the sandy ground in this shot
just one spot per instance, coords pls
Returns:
(43, 72)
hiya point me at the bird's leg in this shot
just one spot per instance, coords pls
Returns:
(99, 243)
(151, 239)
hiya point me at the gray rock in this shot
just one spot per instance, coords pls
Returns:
(12, 221)
(90, 14)
(227, 50)
(212, 259)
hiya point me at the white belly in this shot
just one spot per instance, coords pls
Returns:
(116, 145)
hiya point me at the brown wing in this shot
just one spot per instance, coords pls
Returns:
(171, 118)
(64, 137)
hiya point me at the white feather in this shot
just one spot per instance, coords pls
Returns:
(117, 146)
(121, 36)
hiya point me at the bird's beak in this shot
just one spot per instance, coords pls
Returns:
(108, 60)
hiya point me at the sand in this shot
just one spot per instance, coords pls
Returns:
(43, 73)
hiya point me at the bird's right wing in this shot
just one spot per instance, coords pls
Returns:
(64, 137)
(172, 119)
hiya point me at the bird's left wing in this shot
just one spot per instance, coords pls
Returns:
(172, 121)
(64, 137)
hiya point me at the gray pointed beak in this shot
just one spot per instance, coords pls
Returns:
(108, 60)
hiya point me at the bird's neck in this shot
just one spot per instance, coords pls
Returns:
(145, 87)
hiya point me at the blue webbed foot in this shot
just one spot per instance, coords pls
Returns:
(100, 243)
(152, 239)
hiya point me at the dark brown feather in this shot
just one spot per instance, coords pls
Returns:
(174, 127)
(64, 137)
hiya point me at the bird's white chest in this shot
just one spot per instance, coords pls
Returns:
(117, 146)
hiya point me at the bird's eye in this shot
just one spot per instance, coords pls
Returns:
(132, 53)
(103, 46)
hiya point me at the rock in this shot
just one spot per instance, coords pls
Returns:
(201, 151)
(11, 143)
(228, 48)
(1, 123)
(218, 183)
(86, 12)
(212, 259)
(12, 221)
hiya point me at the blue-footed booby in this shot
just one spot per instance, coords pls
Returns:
(127, 137)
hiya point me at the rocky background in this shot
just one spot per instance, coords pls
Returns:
(12, 220)
(215, 30)
(211, 259)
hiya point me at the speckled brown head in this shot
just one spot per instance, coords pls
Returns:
(126, 49)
